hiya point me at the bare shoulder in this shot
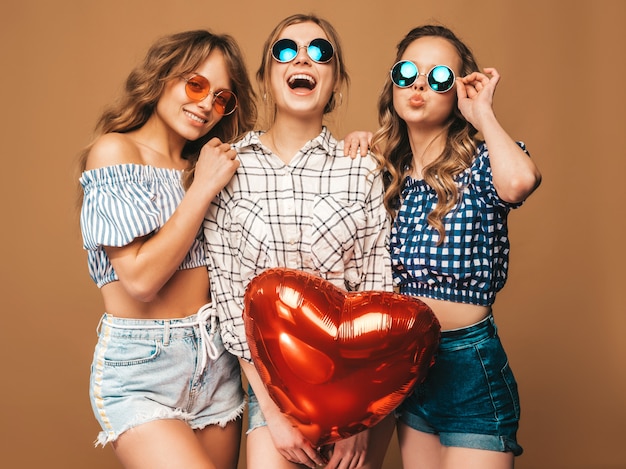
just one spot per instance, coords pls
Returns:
(112, 149)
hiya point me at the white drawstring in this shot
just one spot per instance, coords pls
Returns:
(204, 317)
(206, 338)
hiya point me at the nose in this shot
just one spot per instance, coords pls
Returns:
(302, 55)
(420, 83)
(207, 103)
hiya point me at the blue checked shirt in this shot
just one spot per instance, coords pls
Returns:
(322, 213)
(471, 265)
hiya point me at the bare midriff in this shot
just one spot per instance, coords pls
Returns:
(456, 315)
(180, 297)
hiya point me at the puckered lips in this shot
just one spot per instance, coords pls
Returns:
(301, 81)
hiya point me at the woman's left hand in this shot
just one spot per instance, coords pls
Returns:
(475, 95)
(356, 143)
(349, 453)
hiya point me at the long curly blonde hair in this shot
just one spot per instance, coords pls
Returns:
(391, 144)
(172, 57)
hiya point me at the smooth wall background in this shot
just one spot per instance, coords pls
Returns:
(561, 315)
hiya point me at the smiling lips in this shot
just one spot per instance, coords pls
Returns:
(301, 80)
(195, 117)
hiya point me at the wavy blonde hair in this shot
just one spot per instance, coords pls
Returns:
(341, 77)
(391, 144)
(170, 58)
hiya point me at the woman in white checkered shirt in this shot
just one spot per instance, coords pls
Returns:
(296, 201)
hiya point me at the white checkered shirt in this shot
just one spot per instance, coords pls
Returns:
(322, 213)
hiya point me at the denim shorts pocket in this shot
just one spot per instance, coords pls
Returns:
(131, 352)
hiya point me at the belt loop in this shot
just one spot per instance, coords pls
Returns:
(166, 332)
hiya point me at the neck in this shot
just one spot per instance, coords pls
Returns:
(158, 150)
(426, 148)
(287, 136)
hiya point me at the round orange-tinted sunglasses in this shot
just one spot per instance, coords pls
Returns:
(198, 88)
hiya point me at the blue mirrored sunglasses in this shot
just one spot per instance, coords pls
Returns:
(319, 50)
(440, 78)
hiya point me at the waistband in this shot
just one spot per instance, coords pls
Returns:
(166, 328)
(483, 329)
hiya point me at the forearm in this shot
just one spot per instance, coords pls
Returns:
(515, 175)
(147, 264)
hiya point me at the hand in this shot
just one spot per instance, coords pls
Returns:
(475, 96)
(291, 443)
(355, 142)
(349, 453)
(216, 163)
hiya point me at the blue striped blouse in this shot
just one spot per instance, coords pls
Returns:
(124, 202)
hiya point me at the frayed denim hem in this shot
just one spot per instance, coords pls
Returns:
(175, 414)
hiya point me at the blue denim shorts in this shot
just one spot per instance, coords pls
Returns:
(145, 370)
(469, 397)
(256, 418)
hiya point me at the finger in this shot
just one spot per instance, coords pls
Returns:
(364, 147)
(354, 147)
(461, 91)
(214, 142)
(313, 456)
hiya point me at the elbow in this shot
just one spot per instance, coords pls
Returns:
(520, 188)
(142, 291)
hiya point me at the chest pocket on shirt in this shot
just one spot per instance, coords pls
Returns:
(337, 233)
(249, 238)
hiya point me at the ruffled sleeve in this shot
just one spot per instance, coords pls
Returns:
(119, 205)
(482, 178)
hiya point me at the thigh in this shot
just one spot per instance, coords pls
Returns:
(419, 450)
(468, 458)
(379, 438)
(262, 454)
(222, 443)
(162, 444)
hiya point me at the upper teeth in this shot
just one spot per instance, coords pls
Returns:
(194, 117)
(302, 76)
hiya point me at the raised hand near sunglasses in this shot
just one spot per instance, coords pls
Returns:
(515, 176)
(475, 96)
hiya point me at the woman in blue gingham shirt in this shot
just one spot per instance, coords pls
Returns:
(450, 195)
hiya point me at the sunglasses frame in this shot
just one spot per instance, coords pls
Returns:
(298, 47)
(418, 74)
(209, 92)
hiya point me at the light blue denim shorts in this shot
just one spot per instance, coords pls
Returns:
(256, 418)
(145, 370)
(469, 397)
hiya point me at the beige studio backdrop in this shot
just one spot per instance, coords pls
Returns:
(561, 315)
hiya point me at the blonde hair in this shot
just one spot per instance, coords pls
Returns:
(341, 77)
(391, 143)
(169, 58)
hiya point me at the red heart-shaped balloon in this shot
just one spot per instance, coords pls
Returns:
(336, 362)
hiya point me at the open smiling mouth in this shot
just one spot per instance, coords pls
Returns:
(301, 80)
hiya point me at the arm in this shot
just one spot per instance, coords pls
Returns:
(288, 440)
(515, 175)
(147, 263)
(377, 261)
